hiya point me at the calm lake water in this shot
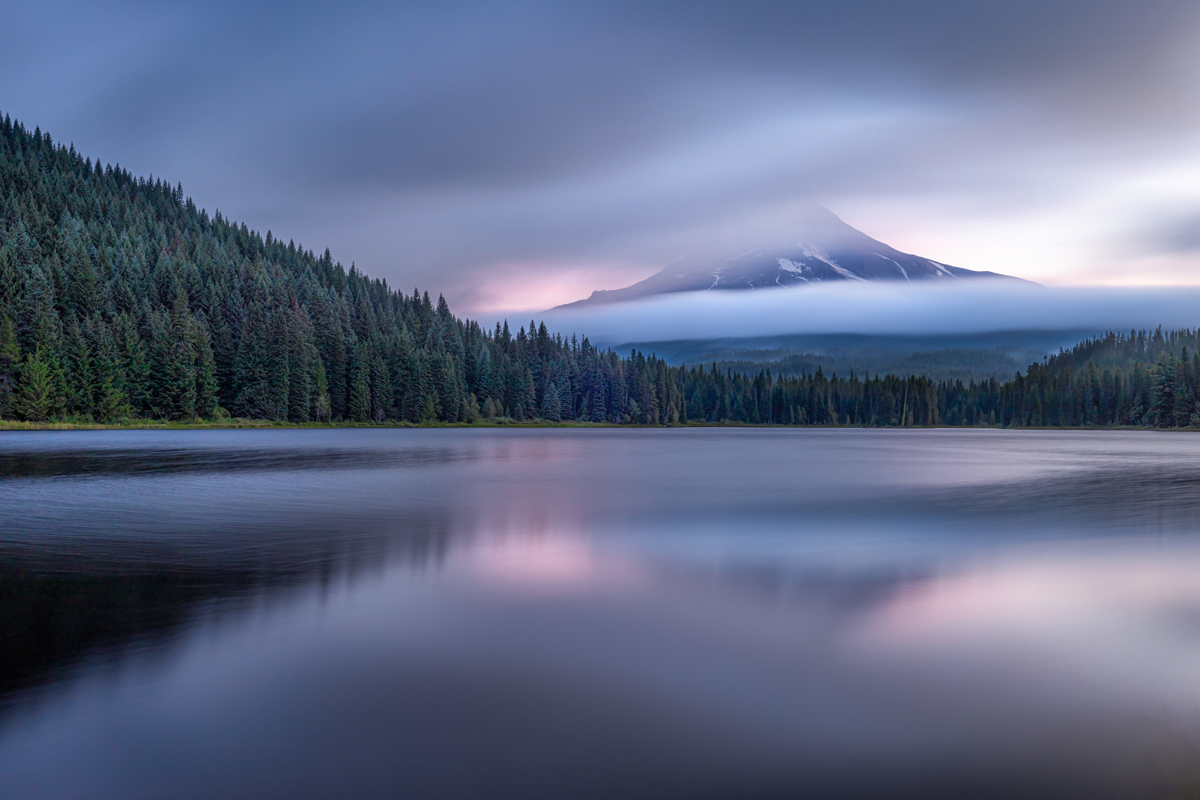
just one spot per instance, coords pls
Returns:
(599, 613)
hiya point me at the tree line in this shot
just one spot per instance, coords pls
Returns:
(120, 299)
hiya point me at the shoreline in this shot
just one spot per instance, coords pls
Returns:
(254, 424)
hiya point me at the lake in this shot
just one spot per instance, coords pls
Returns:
(599, 613)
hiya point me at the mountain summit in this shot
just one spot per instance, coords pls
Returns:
(819, 249)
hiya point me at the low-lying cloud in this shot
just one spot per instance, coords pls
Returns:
(976, 307)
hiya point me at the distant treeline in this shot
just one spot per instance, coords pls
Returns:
(946, 364)
(120, 299)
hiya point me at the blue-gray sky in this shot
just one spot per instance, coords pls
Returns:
(517, 155)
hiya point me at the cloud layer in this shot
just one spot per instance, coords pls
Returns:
(976, 307)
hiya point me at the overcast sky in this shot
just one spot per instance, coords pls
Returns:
(518, 155)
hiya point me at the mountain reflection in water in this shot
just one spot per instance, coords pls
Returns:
(599, 613)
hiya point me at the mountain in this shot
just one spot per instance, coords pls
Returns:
(819, 248)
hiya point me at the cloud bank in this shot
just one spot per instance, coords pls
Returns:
(976, 307)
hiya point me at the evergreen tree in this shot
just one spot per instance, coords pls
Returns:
(81, 378)
(37, 399)
(10, 357)
(205, 372)
(1162, 407)
(430, 412)
(359, 407)
(111, 400)
(322, 406)
(551, 403)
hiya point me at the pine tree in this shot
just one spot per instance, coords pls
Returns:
(322, 407)
(205, 372)
(81, 378)
(430, 412)
(1181, 410)
(82, 282)
(173, 362)
(10, 358)
(471, 412)
(135, 363)
(381, 389)
(359, 408)
(111, 400)
(37, 398)
(1162, 406)
(418, 390)
(551, 404)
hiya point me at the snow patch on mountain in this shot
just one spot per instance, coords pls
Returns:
(897, 263)
(797, 269)
(812, 251)
(941, 269)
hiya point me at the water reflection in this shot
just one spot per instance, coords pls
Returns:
(599, 613)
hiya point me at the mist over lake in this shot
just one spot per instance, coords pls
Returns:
(599, 613)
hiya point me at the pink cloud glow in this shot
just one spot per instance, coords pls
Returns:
(529, 288)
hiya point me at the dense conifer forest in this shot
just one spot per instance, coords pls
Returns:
(120, 299)
(960, 363)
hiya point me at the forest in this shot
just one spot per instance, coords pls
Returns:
(121, 300)
(949, 364)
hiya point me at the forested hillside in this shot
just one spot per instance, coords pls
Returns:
(120, 299)
(950, 364)
(1137, 378)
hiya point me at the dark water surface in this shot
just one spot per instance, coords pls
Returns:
(599, 613)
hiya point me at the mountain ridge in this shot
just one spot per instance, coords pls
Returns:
(819, 248)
